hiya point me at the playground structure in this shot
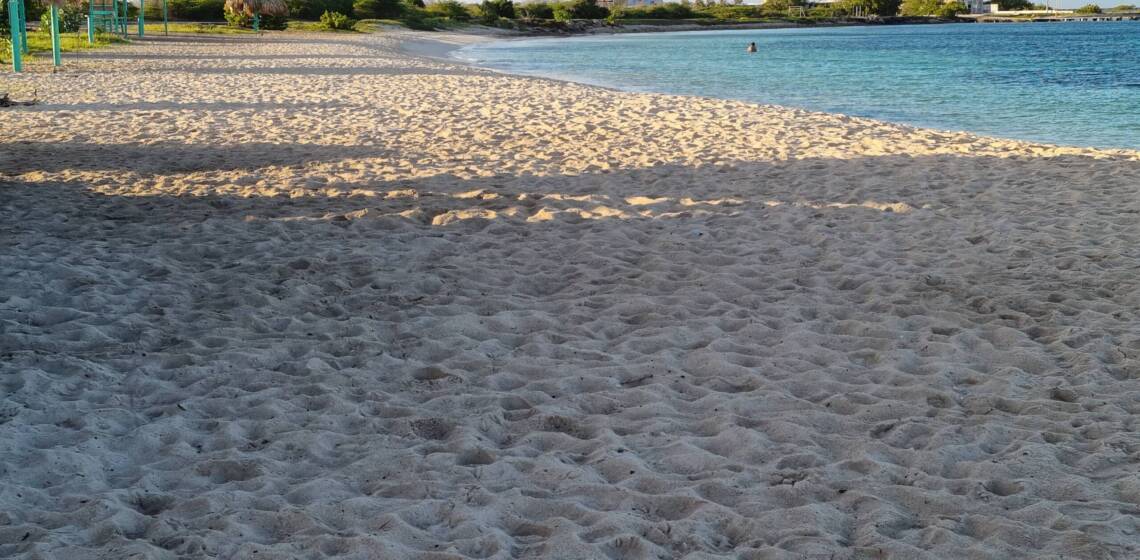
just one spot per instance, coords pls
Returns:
(18, 25)
(113, 16)
(106, 16)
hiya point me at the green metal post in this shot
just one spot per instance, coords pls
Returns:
(165, 24)
(24, 27)
(56, 56)
(17, 48)
(142, 18)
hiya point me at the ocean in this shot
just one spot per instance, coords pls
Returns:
(1072, 83)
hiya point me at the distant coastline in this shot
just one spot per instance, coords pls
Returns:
(600, 27)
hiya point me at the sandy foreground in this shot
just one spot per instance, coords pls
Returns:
(309, 296)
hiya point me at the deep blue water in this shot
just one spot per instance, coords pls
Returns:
(1067, 83)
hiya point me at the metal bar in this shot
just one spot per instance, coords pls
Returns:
(17, 48)
(165, 24)
(56, 55)
(142, 17)
(24, 27)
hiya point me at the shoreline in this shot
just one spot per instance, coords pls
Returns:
(441, 46)
(330, 299)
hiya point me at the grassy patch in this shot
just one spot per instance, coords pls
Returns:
(206, 28)
(39, 42)
(308, 26)
(426, 23)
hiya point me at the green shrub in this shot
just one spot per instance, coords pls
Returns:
(1089, 9)
(336, 20)
(535, 10)
(236, 19)
(562, 13)
(951, 9)
(588, 9)
(34, 10)
(378, 9)
(775, 7)
(491, 10)
(267, 22)
(660, 11)
(191, 10)
(932, 8)
(721, 11)
(71, 19)
(1123, 8)
(448, 9)
(312, 10)
(914, 8)
(883, 8)
(417, 18)
(1007, 5)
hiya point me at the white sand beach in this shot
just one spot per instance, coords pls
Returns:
(313, 296)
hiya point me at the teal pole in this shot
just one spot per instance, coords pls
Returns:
(165, 25)
(142, 18)
(17, 48)
(24, 27)
(90, 27)
(55, 46)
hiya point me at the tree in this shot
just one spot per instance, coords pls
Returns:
(450, 9)
(912, 8)
(492, 10)
(4, 25)
(1123, 8)
(775, 6)
(951, 9)
(883, 8)
(588, 9)
(535, 10)
(1089, 9)
(378, 9)
(1008, 5)
(938, 8)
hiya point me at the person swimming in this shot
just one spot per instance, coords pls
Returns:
(751, 47)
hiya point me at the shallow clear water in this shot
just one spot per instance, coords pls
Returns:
(1068, 83)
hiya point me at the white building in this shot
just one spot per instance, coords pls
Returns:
(979, 6)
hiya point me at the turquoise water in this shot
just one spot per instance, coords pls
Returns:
(1067, 83)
